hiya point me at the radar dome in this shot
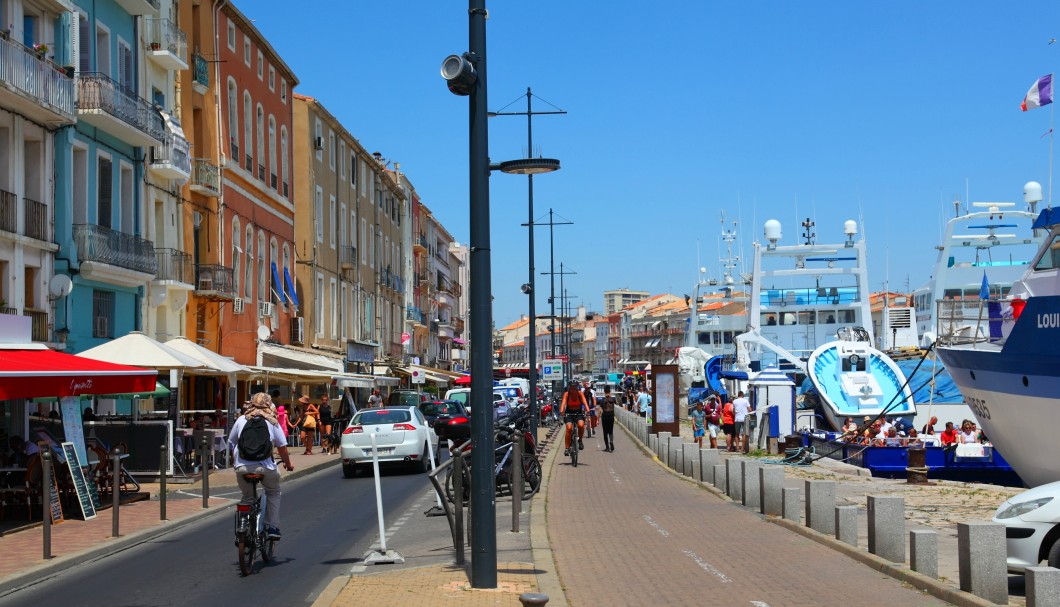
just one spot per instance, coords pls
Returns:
(772, 230)
(1032, 192)
(850, 227)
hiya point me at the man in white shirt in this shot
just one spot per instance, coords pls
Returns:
(741, 407)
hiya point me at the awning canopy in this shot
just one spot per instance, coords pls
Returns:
(29, 373)
(214, 362)
(283, 357)
(160, 391)
(139, 350)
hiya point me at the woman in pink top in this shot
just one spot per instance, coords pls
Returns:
(281, 417)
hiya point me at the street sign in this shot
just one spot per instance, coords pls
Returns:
(418, 376)
(552, 370)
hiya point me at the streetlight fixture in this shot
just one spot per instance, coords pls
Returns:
(530, 167)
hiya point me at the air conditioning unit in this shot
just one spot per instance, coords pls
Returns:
(298, 330)
(318, 143)
(265, 308)
(237, 305)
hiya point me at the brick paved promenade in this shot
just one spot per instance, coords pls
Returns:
(624, 531)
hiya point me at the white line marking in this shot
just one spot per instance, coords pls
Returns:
(759, 604)
(358, 568)
(705, 566)
(614, 475)
(662, 532)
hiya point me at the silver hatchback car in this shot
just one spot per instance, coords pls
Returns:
(1032, 527)
(402, 435)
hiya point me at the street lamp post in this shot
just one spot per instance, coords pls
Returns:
(529, 287)
(561, 273)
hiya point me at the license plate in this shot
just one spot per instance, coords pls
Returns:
(381, 450)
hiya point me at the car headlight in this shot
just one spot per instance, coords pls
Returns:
(1014, 510)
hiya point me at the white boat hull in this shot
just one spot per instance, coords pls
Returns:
(884, 389)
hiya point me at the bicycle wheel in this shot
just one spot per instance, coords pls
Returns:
(574, 451)
(531, 476)
(449, 485)
(246, 552)
(268, 547)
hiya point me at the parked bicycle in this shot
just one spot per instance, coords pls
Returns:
(251, 537)
(507, 431)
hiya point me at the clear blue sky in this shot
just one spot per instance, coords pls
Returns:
(880, 112)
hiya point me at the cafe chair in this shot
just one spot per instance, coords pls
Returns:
(28, 492)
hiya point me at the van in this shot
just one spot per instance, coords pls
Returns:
(463, 395)
(518, 382)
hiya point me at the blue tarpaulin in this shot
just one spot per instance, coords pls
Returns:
(945, 390)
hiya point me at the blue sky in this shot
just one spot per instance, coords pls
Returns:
(880, 112)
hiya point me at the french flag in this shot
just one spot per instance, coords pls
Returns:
(1041, 93)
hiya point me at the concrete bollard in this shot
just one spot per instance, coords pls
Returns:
(791, 497)
(690, 459)
(720, 481)
(533, 599)
(653, 443)
(734, 479)
(663, 446)
(1043, 586)
(924, 552)
(981, 554)
(675, 453)
(708, 458)
(887, 527)
(751, 483)
(820, 506)
(770, 487)
(846, 524)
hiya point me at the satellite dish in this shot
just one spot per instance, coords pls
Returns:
(60, 285)
(264, 332)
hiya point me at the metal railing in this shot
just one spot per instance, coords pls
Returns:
(8, 212)
(104, 245)
(38, 324)
(234, 150)
(202, 70)
(163, 34)
(414, 314)
(205, 174)
(348, 256)
(214, 277)
(36, 77)
(36, 220)
(175, 151)
(173, 264)
(962, 321)
(97, 91)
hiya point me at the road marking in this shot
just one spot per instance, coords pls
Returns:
(759, 604)
(614, 475)
(705, 566)
(359, 568)
(662, 532)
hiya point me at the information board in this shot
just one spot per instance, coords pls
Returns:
(552, 369)
(663, 389)
(55, 507)
(73, 429)
(81, 486)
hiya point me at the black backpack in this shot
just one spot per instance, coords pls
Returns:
(255, 442)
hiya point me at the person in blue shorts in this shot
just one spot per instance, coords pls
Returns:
(699, 421)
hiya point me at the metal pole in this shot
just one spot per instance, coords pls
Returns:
(458, 504)
(562, 325)
(46, 464)
(205, 471)
(552, 277)
(533, 291)
(517, 479)
(164, 459)
(115, 489)
(483, 504)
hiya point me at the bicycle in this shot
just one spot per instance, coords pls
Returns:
(502, 469)
(251, 535)
(573, 432)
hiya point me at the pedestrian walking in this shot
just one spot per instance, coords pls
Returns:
(713, 412)
(741, 407)
(699, 424)
(607, 419)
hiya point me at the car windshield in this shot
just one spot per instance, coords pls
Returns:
(381, 416)
(437, 408)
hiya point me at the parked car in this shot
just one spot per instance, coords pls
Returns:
(459, 394)
(1032, 527)
(434, 409)
(406, 398)
(402, 436)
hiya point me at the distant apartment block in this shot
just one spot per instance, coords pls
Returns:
(617, 299)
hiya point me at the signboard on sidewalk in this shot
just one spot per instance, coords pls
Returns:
(81, 487)
(552, 369)
(663, 389)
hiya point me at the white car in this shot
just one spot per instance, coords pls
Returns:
(402, 435)
(1032, 527)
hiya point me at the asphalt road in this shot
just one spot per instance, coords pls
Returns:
(329, 524)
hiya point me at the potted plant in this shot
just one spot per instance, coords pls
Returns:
(41, 49)
(155, 46)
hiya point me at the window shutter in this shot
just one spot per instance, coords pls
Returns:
(125, 54)
(105, 186)
(84, 45)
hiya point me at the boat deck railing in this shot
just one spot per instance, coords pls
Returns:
(968, 321)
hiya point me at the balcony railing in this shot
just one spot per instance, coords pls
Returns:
(205, 177)
(261, 172)
(213, 278)
(414, 314)
(173, 265)
(100, 93)
(8, 212)
(36, 220)
(104, 245)
(348, 256)
(38, 324)
(234, 151)
(172, 159)
(164, 35)
(46, 86)
(202, 72)
(250, 161)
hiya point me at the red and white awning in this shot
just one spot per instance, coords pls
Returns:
(32, 373)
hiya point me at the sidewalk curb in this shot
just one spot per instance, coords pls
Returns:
(59, 564)
(540, 546)
(919, 581)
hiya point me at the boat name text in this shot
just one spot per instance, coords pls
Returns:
(1049, 321)
(978, 406)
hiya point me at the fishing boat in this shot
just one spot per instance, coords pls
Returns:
(1008, 367)
(810, 316)
(996, 242)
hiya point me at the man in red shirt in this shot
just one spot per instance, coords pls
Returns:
(949, 435)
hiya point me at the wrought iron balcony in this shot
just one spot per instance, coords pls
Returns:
(103, 245)
(205, 177)
(414, 314)
(36, 220)
(105, 103)
(38, 324)
(201, 82)
(174, 265)
(348, 257)
(234, 150)
(33, 86)
(172, 159)
(167, 45)
(213, 281)
(8, 212)
(420, 242)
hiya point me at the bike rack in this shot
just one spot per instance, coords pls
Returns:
(454, 515)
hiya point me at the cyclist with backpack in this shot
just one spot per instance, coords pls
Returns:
(572, 409)
(251, 440)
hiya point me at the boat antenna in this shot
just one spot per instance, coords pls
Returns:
(729, 262)
(808, 232)
(956, 207)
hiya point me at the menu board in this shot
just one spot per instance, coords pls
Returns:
(664, 399)
(73, 429)
(81, 486)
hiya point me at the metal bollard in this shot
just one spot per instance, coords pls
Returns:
(115, 489)
(533, 599)
(205, 473)
(517, 481)
(162, 482)
(46, 459)
(458, 506)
